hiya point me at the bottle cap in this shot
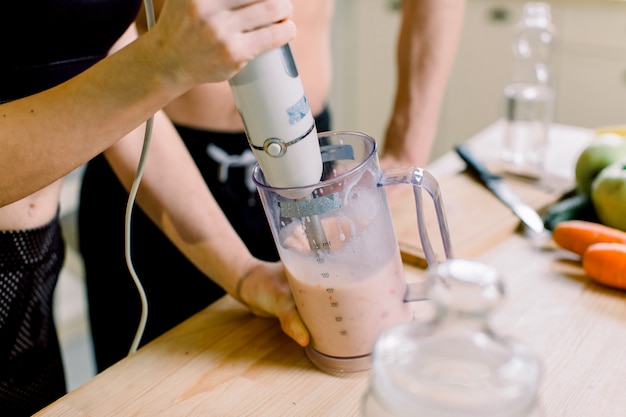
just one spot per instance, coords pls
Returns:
(537, 14)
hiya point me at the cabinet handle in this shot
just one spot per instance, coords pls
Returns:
(395, 5)
(499, 14)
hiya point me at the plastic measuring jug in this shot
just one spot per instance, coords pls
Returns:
(340, 251)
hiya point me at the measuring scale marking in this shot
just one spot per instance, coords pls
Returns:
(355, 311)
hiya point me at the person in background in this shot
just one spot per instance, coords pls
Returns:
(63, 101)
(208, 122)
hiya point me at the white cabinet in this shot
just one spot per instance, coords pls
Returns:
(590, 65)
(474, 93)
(364, 39)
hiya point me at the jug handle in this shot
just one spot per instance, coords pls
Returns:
(420, 178)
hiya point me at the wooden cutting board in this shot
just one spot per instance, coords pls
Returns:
(477, 220)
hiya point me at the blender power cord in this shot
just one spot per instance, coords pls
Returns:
(129, 208)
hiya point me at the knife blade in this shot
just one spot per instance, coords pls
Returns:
(496, 184)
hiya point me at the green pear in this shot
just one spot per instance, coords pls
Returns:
(604, 150)
(608, 194)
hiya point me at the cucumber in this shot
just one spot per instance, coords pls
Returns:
(575, 207)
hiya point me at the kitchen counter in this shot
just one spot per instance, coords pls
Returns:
(225, 362)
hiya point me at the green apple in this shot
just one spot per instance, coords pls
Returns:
(608, 194)
(605, 149)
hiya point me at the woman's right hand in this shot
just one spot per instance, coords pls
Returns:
(199, 41)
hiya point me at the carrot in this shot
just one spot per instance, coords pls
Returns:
(577, 235)
(606, 264)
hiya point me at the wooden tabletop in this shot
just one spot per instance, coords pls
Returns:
(225, 362)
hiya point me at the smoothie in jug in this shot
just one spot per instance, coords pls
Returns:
(348, 298)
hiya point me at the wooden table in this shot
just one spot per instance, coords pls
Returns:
(225, 362)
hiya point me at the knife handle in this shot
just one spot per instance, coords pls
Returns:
(473, 165)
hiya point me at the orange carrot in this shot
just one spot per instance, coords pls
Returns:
(606, 264)
(577, 235)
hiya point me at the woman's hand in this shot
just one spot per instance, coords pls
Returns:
(199, 41)
(266, 292)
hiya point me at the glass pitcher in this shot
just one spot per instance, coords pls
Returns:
(454, 365)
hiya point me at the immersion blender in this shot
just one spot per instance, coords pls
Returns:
(280, 127)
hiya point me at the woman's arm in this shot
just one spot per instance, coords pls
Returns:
(175, 196)
(47, 135)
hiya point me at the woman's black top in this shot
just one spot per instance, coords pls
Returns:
(46, 42)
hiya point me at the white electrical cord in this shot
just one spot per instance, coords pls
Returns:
(129, 208)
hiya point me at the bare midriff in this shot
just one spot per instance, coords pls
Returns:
(33, 211)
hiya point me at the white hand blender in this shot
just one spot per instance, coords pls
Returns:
(280, 128)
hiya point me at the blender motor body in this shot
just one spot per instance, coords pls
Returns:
(279, 124)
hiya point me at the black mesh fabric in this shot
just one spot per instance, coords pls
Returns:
(31, 369)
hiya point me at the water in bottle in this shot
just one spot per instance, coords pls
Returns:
(530, 93)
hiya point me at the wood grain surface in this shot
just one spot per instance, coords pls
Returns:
(477, 219)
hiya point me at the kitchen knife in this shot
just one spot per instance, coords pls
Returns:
(502, 190)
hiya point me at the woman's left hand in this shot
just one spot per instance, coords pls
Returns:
(266, 293)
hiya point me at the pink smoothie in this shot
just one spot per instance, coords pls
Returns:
(352, 286)
(345, 316)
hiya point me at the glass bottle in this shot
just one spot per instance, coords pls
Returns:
(530, 94)
(454, 365)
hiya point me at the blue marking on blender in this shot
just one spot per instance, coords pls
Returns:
(298, 111)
